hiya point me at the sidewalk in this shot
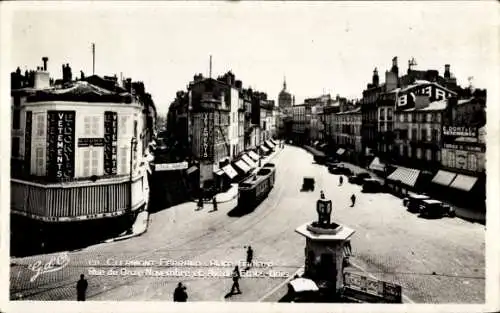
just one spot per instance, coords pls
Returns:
(464, 213)
(140, 227)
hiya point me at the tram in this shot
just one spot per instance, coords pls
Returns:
(253, 190)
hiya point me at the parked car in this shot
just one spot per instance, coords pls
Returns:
(358, 178)
(341, 170)
(413, 202)
(372, 185)
(435, 208)
(331, 168)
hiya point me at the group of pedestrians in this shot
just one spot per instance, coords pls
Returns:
(353, 196)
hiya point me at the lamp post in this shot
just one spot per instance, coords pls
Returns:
(324, 209)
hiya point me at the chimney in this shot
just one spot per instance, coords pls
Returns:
(447, 73)
(375, 78)
(45, 60)
(395, 68)
(238, 84)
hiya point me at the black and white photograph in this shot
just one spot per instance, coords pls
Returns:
(267, 153)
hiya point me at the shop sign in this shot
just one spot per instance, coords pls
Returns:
(110, 142)
(207, 145)
(171, 166)
(464, 147)
(60, 144)
(460, 131)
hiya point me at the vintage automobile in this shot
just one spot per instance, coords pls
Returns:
(341, 170)
(358, 178)
(331, 168)
(413, 201)
(435, 208)
(372, 185)
(308, 184)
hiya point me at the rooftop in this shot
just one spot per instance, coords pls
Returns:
(433, 106)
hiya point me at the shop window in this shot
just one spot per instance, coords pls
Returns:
(428, 154)
(472, 162)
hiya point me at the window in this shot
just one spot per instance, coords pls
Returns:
(124, 163)
(389, 114)
(15, 146)
(414, 134)
(409, 117)
(438, 116)
(472, 162)
(451, 158)
(419, 153)
(428, 117)
(92, 161)
(428, 154)
(123, 128)
(92, 126)
(382, 114)
(39, 161)
(40, 124)
(423, 133)
(16, 119)
(401, 117)
(435, 135)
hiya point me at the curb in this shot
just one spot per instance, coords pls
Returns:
(125, 237)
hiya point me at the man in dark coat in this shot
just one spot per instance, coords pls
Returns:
(353, 200)
(81, 288)
(180, 294)
(200, 203)
(236, 279)
(214, 201)
(249, 256)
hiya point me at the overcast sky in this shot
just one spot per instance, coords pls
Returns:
(323, 46)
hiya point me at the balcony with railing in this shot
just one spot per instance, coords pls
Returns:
(77, 200)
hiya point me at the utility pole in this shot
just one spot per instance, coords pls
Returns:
(93, 58)
(210, 71)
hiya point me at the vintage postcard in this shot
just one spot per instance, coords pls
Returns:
(250, 156)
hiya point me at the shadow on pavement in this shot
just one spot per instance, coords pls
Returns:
(238, 211)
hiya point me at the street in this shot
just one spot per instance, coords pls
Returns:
(435, 261)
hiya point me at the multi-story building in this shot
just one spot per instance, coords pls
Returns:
(317, 121)
(301, 116)
(347, 127)
(80, 157)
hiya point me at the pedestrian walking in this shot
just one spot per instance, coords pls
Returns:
(236, 281)
(322, 195)
(214, 201)
(353, 200)
(249, 256)
(341, 180)
(180, 294)
(200, 203)
(81, 288)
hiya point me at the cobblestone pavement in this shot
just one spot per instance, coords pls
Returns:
(390, 243)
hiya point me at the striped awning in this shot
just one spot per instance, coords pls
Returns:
(464, 182)
(264, 149)
(340, 151)
(273, 141)
(444, 178)
(219, 172)
(242, 166)
(376, 165)
(407, 176)
(254, 156)
(249, 161)
(192, 169)
(230, 171)
(347, 249)
(269, 144)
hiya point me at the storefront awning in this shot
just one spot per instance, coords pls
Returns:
(269, 144)
(264, 149)
(376, 165)
(242, 166)
(407, 176)
(230, 171)
(444, 178)
(273, 141)
(219, 172)
(249, 161)
(192, 169)
(254, 156)
(464, 182)
(340, 151)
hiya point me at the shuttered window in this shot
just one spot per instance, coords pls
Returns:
(86, 163)
(39, 161)
(92, 126)
(40, 124)
(124, 166)
(92, 161)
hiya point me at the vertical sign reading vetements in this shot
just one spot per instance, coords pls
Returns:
(110, 142)
(206, 142)
(60, 144)
(27, 141)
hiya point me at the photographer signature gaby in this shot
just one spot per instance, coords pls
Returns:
(55, 263)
